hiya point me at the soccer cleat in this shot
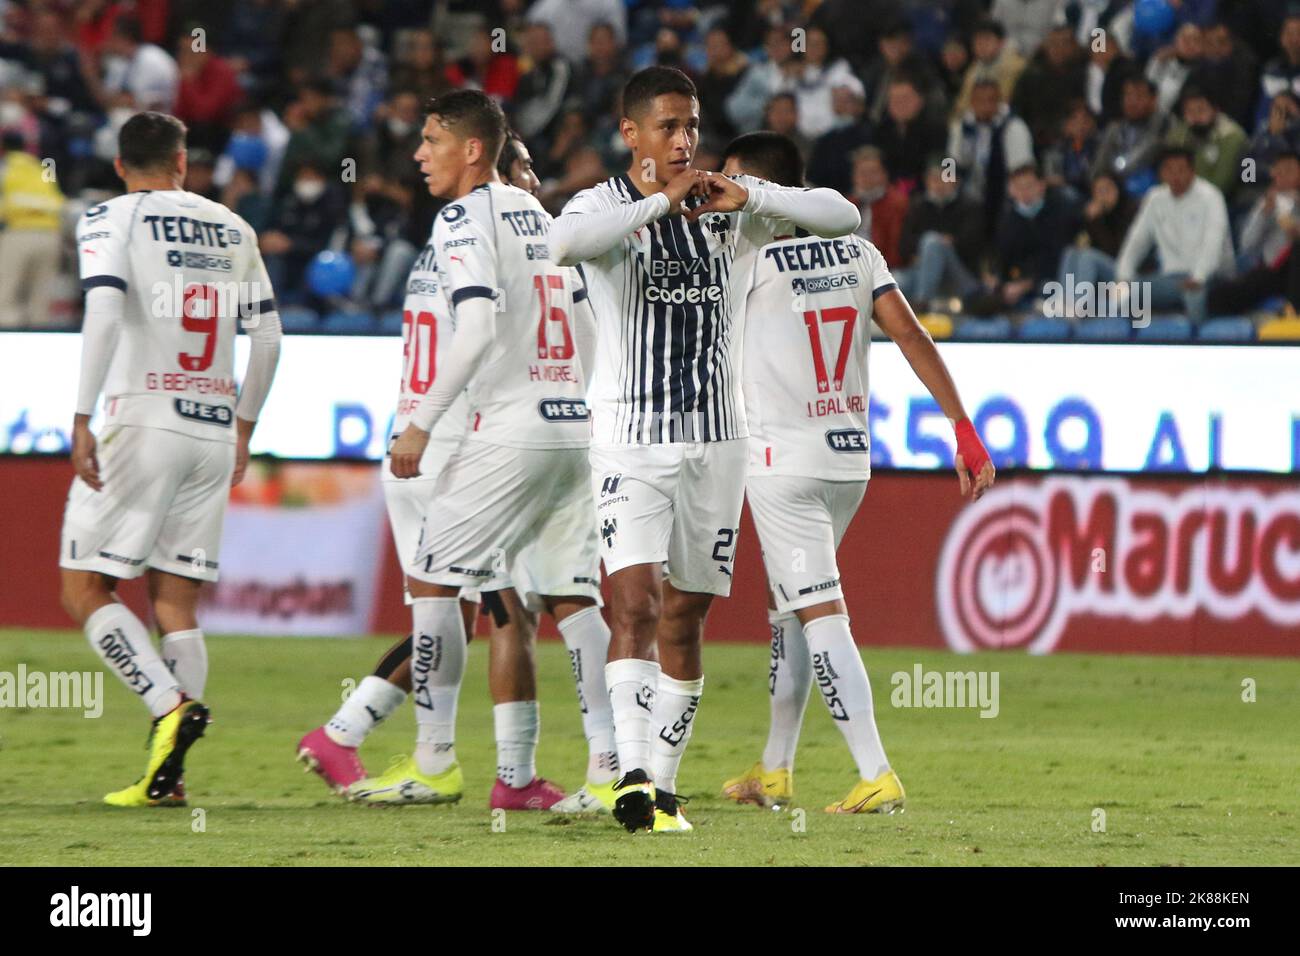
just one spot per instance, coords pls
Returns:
(589, 798)
(668, 813)
(538, 794)
(764, 788)
(170, 738)
(338, 766)
(634, 801)
(402, 783)
(882, 795)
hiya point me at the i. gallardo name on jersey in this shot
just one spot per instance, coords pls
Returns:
(190, 270)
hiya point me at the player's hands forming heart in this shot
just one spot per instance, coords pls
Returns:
(723, 195)
(684, 184)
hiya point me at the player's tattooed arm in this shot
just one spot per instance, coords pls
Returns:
(896, 319)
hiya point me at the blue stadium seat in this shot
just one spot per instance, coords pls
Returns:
(1234, 328)
(994, 329)
(1046, 328)
(299, 318)
(1166, 328)
(1276, 305)
(1104, 329)
(390, 323)
(350, 323)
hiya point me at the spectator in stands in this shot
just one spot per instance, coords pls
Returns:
(30, 205)
(883, 206)
(815, 76)
(318, 131)
(782, 116)
(199, 174)
(906, 135)
(830, 163)
(243, 196)
(1280, 133)
(253, 37)
(987, 142)
(570, 21)
(1170, 66)
(420, 68)
(1107, 216)
(1035, 225)
(942, 240)
(1267, 246)
(1027, 22)
(954, 58)
(1054, 78)
(303, 224)
(1282, 73)
(763, 79)
(359, 72)
(137, 74)
(598, 81)
(257, 143)
(1213, 136)
(995, 59)
(543, 89)
(208, 96)
(1186, 219)
(725, 67)
(1228, 71)
(1108, 69)
(1130, 144)
(1069, 162)
(51, 57)
(899, 57)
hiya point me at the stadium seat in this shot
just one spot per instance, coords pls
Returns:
(299, 318)
(1276, 305)
(1282, 329)
(350, 323)
(1166, 328)
(1104, 329)
(1235, 328)
(1045, 328)
(994, 329)
(937, 324)
(390, 323)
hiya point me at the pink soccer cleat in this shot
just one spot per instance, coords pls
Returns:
(338, 766)
(538, 795)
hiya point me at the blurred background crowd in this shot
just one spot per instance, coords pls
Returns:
(993, 146)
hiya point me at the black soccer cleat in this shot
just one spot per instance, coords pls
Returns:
(191, 722)
(634, 801)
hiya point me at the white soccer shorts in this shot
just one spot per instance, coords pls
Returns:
(162, 505)
(800, 523)
(520, 515)
(407, 499)
(677, 503)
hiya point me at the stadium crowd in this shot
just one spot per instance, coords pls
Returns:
(992, 146)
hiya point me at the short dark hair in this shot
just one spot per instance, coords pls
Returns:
(472, 114)
(509, 153)
(150, 140)
(128, 27)
(641, 89)
(1142, 81)
(1024, 169)
(989, 25)
(1175, 151)
(769, 156)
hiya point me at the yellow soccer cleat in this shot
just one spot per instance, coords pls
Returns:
(589, 798)
(402, 783)
(882, 795)
(764, 788)
(171, 737)
(669, 817)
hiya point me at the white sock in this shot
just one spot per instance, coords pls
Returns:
(671, 723)
(789, 678)
(363, 711)
(186, 656)
(517, 725)
(632, 684)
(123, 644)
(437, 666)
(842, 678)
(586, 635)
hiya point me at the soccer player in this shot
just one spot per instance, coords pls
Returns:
(331, 750)
(167, 274)
(806, 306)
(517, 479)
(657, 247)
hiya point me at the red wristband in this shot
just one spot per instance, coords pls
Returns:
(972, 450)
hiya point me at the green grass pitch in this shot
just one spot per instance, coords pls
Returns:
(1186, 772)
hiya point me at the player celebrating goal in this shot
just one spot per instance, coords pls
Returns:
(167, 273)
(807, 306)
(657, 246)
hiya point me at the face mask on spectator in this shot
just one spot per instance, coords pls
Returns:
(398, 127)
(1201, 129)
(309, 190)
(1029, 210)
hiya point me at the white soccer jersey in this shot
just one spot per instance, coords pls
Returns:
(667, 363)
(807, 306)
(189, 267)
(426, 338)
(529, 390)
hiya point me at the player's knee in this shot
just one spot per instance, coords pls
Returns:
(174, 616)
(81, 593)
(638, 609)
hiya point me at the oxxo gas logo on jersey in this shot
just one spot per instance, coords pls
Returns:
(1015, 568)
